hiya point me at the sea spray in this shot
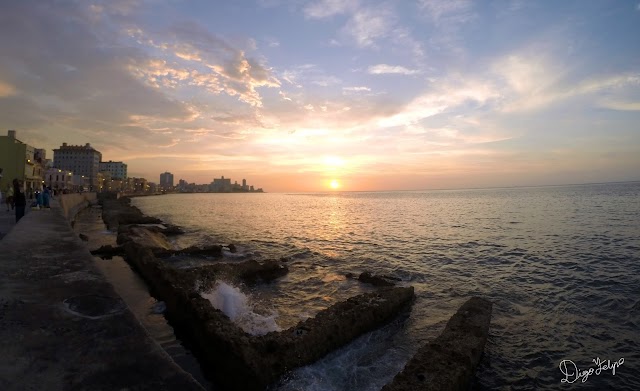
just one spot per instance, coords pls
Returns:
(236, 305)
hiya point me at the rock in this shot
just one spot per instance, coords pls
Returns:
(83, 237)
(120, 212)
(144, 236)
(232, 248)
(449, 362)
(237, 360)
(171, 230)
(253, 271)
(377, 280)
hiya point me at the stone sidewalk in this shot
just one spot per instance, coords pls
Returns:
(62, 326)
(8, 219)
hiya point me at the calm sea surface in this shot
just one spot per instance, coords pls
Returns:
(561, 265)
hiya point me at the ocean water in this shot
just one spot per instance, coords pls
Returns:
(561, 265)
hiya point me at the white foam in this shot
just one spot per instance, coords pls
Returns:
(236, 305)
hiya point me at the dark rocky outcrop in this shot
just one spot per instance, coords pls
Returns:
(144, 236)
(375, 280)
(120, 212)
(240, 361)
(449, 362)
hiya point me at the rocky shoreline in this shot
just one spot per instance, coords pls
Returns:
(235, 359)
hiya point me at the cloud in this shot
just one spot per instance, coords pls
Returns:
(535, 81)
(448, 96)
(356, 89)
(619, 105)
(327, 8)
(367, 25)
(6, 89)
(307, 74)
(391, 69)
(451, 11)
(226, 69)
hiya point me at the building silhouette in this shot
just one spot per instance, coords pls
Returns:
(166, 181)
(82, 160)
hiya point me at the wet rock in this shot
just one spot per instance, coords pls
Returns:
(375, 280)
(143, 236)
(83, 237)
(171, 230)
(252, 271)
(449, 362)
(120, 212)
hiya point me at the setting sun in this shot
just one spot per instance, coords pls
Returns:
(334, 184)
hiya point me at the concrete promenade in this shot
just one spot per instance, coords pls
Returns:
(62, 326)
(8, 219)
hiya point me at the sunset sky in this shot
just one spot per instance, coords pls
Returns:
(296, 95)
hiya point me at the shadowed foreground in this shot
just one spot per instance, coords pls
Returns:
(62, 326)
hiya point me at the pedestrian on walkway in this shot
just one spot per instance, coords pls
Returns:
(46, 194)
(9, 197)
(20, 200)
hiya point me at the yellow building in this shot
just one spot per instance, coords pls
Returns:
(17, 160)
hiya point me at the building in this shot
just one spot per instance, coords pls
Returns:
(118, 170)
(17, 161)
(136, 185)
(57, 179)
(166, 181)
(81, 160)
(221, 185)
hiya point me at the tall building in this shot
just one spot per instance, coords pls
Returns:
(166, 181)
(17, 161)
(81, 160)
(221, 185)
(118, 170)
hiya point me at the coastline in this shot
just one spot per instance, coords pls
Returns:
(224, 349)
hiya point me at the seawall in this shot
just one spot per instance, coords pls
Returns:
(71, 204)
(62, 325)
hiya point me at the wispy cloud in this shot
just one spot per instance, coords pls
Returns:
(327, 8)
(369, 24)
(380, 69)
(356, 89)
(449, 95)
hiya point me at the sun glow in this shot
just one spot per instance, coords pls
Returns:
(334, 184)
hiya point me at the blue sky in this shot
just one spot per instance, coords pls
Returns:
(376, 95)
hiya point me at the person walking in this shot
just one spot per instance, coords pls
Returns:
(46, 194)
(9, 197)
(20, 200)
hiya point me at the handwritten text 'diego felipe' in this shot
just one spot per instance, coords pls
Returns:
(572, 374)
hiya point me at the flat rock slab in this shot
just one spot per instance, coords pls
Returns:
(63, 327)
(450, 361)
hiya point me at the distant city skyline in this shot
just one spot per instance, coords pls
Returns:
(319, 95)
